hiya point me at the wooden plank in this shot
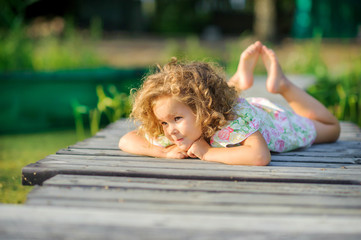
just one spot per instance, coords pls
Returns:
(88, 232)
(279, 188)
(286, 161)
(93, 152)
(106, 192)
(195, 169)
(171, 163)
(342, 153)
(336, 146)
(345, 155)
(144, 162)
(82, 223)
(123, 203)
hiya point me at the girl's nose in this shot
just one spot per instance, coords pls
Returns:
(172, 129)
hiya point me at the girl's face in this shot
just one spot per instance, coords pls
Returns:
(178, 121)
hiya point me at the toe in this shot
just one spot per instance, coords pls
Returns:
(258, 45)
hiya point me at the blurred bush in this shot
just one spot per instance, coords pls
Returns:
(49, 45)
(341, 94)
(112, 105)
(192, 50)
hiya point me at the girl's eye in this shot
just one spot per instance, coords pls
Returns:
(177, 118)
(163, 123)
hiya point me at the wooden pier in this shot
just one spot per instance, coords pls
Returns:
(92, 190)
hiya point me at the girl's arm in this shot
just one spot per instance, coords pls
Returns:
(134, 143)
(253, 151)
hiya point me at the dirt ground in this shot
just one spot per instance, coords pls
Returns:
(145, 51)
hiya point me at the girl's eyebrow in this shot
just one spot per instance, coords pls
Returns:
(171, 115)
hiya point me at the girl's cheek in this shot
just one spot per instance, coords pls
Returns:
(168, 136)
(165, 132)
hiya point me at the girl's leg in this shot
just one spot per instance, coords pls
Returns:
(327, 126)
(243, 78)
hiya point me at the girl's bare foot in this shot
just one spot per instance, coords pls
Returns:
(243, 78)
(276, 80)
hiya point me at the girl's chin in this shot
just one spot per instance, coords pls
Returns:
(184, 147)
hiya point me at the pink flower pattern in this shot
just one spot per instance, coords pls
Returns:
(267, 136)
(225, 133)
(282, 129)
(279, 145)
(280, 116)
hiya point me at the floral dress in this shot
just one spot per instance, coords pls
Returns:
(282, 129)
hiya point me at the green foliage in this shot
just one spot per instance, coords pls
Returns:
(96, 28)
(73, 50)
(55, 53)
(113, 106)
(13, 12)
(342, 94)
(306, 59)
(192, 50)
(178, 17)
(16, 51)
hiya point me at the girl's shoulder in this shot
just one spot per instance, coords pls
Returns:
(246, 123)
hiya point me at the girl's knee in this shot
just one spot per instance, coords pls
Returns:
(337, 131)
(327, 132)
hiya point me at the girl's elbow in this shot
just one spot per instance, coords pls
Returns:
(124, 141)
(121, 143)
(263, 159)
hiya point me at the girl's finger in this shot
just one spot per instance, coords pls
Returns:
(191, 154)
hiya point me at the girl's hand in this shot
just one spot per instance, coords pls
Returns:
(174, 151)
(198, 149)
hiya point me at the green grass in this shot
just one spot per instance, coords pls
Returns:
(16, 151)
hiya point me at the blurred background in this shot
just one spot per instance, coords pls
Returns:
(67, 66)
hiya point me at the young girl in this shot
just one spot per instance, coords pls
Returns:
(189, 110)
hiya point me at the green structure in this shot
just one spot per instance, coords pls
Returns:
(329, 18)
(35, 101)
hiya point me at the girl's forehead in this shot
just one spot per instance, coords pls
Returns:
(165, 99)
(165, 102)
(168, 106)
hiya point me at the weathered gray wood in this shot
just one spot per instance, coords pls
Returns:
(160, 206)
(194, 169)
(93, 152)
(277, 160)
(349, 132)
(47, 231)
(15, 219)
(232, 203)
(192, 196)
(342, 153)
(314, 191)
(114, 161)
(95, 159)
(280, 188)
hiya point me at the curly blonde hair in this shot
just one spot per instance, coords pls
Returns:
(199, 85)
